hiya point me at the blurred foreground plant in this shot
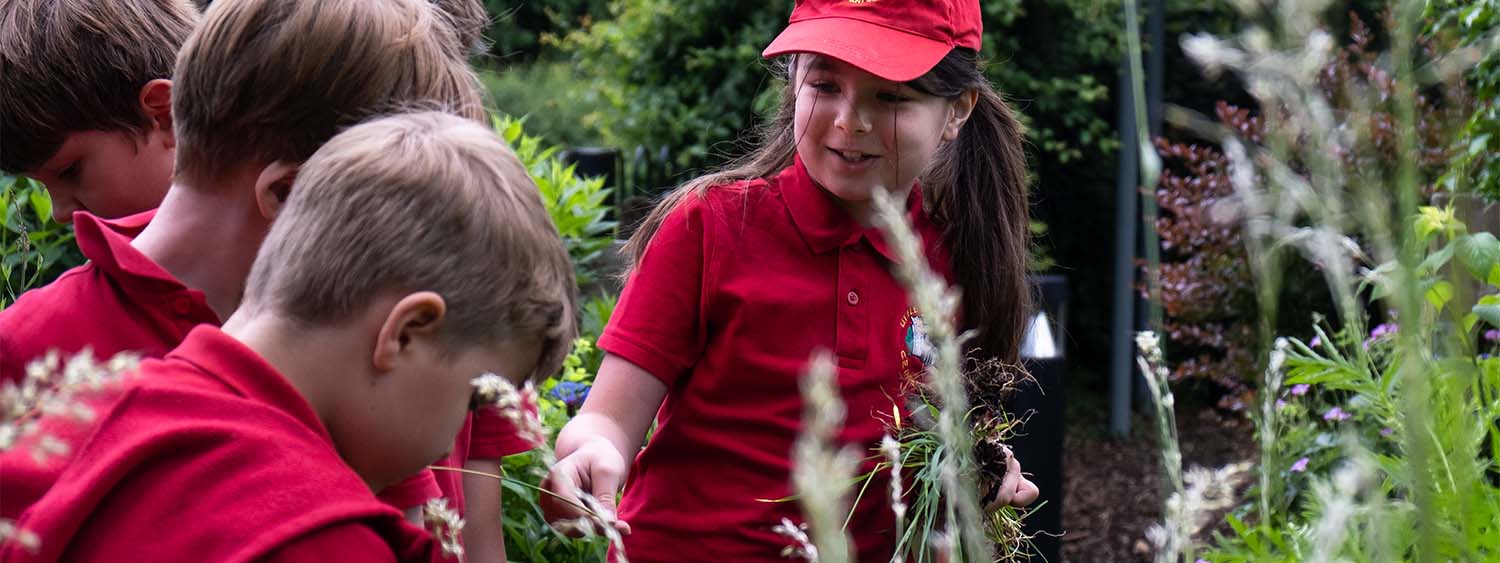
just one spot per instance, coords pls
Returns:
(1378, 450)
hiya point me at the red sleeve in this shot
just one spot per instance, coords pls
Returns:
(340, 542)
(11, 367)
(494, 436)
(413, 491)
(658, 323)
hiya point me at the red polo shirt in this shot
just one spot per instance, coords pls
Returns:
(119, 301)
(733, 295)
(210, 454)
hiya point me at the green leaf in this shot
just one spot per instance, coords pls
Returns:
(42, 205)
(1479, 145)
(1478, 252)
(1488, 313)
(1436, 260)
(1440, 294)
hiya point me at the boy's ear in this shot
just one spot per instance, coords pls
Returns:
(414, 320)
(960, 110)
(273, 186)
(156, 104)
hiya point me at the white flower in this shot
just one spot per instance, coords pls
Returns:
(801, 546)
(491, 388)
(1149, 344)
(446, 525)
(499, 393)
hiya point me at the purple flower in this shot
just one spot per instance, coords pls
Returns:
(1300, 465)
(1335, 414)
(1492, 335)
(1386, 432)
(1384, 329)
(1381, 331)
(1280, 404)
(1300, 389)
(1315, 342)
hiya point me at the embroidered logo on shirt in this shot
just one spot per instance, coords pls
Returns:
(919, 352)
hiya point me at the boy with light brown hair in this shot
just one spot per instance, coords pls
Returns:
(412, 256)
(87, 93)
(259, 86)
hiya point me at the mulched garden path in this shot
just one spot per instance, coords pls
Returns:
(1112, 491)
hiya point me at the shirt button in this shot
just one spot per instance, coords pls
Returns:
(853, 298)
(182, 305)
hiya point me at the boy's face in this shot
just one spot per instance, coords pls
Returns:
(110, 174)
(421, 411)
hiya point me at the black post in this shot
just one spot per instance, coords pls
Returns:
(1039, 444)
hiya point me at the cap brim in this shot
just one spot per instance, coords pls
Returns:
(890, 54)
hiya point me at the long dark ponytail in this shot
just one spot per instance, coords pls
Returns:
(978, 193)
(975, 188)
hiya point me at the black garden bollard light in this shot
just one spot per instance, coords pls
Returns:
(1039, 445)
(593, 162)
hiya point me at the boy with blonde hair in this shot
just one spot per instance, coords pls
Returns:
(413, 255)
(88, 90)
(260, 85)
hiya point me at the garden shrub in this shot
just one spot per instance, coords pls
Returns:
(35, 249)
(514, 90)
(1477, 166)
(1376, 444)
(578, 205)
(1208, 293)
(1345, 386)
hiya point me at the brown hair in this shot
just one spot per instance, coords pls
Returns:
(468, 19)
(79, 65)
(976, 190)
(421, 202)
(267, 80)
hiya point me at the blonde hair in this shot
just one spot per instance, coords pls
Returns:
(79, 65)
(269, 80)
(421, 202)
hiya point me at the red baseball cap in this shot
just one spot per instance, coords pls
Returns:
(897, 40)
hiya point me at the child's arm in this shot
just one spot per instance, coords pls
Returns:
(595, 447)
(484, 538)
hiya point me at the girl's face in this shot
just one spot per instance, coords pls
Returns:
(856, 132)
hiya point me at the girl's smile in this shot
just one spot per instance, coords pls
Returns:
(857, 132)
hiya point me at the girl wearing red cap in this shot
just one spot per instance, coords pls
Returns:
(740, 275)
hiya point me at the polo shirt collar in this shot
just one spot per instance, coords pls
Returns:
(825, 225)
(231, 363)
(106, 243)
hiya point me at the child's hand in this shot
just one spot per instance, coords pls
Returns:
(595, 467)
(1015, 489)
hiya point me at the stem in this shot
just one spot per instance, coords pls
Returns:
(1150, 167)
(505, 479)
